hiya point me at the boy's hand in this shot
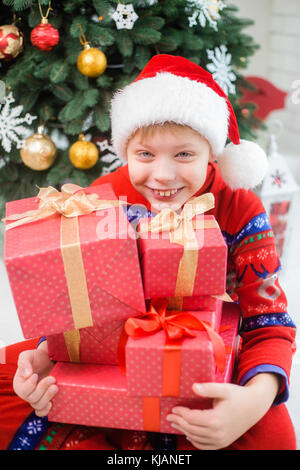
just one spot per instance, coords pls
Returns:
(32, 382)
(235, 410)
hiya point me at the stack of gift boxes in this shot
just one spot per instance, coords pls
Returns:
(132, 318)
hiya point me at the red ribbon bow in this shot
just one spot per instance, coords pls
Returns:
(175, 324)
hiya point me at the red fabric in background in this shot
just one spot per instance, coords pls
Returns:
(13, 410)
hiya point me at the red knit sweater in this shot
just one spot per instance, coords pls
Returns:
(267, 331)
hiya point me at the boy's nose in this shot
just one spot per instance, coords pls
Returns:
(164, 172)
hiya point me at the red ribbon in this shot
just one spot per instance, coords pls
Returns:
(175, 324)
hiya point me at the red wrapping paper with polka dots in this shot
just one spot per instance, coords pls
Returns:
(160, 262)
(198, 302)
(194, 361)
(97, 395)
(35, 268)
(98, 344)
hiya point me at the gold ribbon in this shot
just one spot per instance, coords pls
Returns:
(71, 202)
(72, 341)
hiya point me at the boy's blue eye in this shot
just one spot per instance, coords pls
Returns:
(184, 154)
(145, 154)
(149, 155)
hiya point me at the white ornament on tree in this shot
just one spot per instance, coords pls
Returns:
(124, 16)
(60, 140)
(206, 12)
(111, 158)
(221, 68)
(12, 129)
(146, 3)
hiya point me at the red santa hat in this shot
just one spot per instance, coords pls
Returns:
(174, 89)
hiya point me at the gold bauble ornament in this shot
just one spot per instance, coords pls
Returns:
(83, 154)
(11, 41)
(38, 151)
(91, 62)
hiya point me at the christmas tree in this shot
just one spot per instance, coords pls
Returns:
(60, 63)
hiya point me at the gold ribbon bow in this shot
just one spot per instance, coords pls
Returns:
(181, 226)
(72, 201)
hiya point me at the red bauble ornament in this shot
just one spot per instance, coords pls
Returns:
(44, 36)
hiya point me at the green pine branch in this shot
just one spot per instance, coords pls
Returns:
(48, 84)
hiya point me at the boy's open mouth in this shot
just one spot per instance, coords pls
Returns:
(167, 193)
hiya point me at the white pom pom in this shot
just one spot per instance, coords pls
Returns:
(244, 165)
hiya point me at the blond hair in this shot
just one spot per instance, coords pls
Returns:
(149, 130)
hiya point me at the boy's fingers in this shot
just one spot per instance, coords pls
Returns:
(25, 361)
(24, 387)
(46, 398)
(211, 390)
(39, 391)
(44, 411)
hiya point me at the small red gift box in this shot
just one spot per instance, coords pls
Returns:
(69, 258)
(172, 365)
(180, 262)
(97, 395)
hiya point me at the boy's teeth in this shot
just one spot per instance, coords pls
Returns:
(165, 193)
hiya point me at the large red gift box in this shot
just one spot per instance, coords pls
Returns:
(182, 269)
(97, 395)
(74, 271)
(99, 344)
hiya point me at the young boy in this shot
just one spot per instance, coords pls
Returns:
(171, 125)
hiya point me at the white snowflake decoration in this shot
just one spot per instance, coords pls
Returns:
(11, 124)
(146, 3)
(207, 12)
(61, 141)
(260, 222)
(24, 441)
(221, 68)
(124, 16)
(34, 426)
(111, 158)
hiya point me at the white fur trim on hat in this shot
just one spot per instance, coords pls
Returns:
(168, 97)
(243, 165)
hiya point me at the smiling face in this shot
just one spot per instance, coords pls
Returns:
(167, 164)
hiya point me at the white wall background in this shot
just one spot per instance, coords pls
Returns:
(277, 30)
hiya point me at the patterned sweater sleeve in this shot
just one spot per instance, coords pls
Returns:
(267, 330)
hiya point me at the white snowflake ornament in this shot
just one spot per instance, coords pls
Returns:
(206, 12)
(124, 16)
(110, 158)
(221, 68)
(12, 129)
(146, 3)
